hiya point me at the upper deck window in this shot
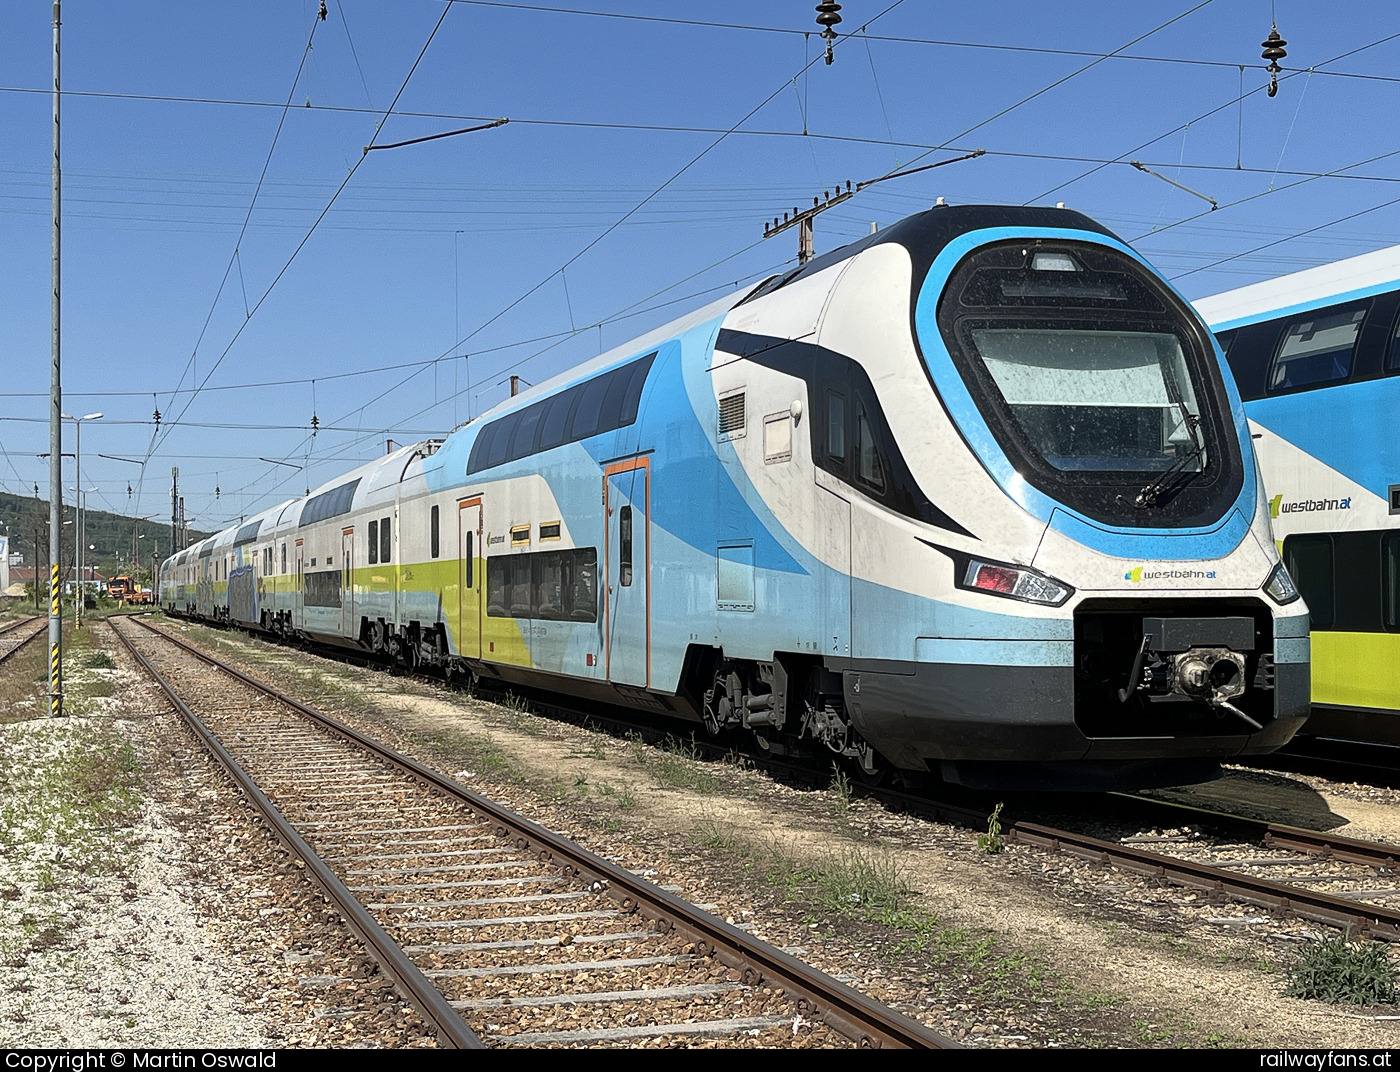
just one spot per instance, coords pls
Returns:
(1317, 348)
(1392, 357)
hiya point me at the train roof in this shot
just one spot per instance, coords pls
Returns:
(1354, 277)
(607, 359)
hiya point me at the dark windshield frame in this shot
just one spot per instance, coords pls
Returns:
(1112, 292)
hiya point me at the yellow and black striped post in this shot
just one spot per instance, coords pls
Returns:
(55, 650)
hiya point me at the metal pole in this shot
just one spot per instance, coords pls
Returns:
(174, 509)
(78, 498)
(55, 418)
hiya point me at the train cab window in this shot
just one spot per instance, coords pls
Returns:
(1392, 356)
(1390, 580)
(374, 543)
(433, 539)
(835, 426)
(1317, 348)
(1308, 559)
(624, 551)
(385, 544)
(870, 470)
(1225, 338)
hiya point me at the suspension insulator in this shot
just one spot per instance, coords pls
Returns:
(827, 18)
(1274, 51)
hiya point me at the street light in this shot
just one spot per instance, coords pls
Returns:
(80, 495)
(78, 479)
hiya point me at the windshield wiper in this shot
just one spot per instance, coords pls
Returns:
(1149, 495)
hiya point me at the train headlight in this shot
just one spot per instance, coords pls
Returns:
(1280, 586)
(1014, 582)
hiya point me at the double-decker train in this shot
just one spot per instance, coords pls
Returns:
(1316, 355)
(972, 495)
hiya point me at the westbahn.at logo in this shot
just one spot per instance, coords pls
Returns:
(1306, 506)
(1139, 574)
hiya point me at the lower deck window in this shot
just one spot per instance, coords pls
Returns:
(551, 585)
(323, 588)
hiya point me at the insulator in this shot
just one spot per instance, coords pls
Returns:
(816, 201)
(826, 195)
(1273, 47)
(216, 491)
(315, 423)
(827, 16)
(322, 13)
(1273, 52)
(156, 415)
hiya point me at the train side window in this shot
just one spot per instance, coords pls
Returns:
(835, 426)
(523, 440)
(521, 585)
(583, 422)
(554, 427)
(870, 470)
(549, 585)
(1392, 356)
(1309, 562)
(496, 449)
(633, 397)
(434, 545)
(624, 551)
(385, 543)
(374, 543)
(497, 587)
(1317, 348)
(610, 410)
(1390, 580)
(582, 585)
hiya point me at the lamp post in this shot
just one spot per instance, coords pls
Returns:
(80, 495)
(78, 479)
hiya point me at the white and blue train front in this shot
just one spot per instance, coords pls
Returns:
(971, 495)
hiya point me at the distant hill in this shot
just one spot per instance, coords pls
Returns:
(111, 533)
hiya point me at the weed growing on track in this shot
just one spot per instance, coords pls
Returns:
(1341, 971)
(867, 886)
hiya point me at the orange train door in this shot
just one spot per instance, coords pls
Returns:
(347, 584)
(627, 551)
(470, 582)
(301, 589)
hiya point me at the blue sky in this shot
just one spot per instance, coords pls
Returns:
(615, 168)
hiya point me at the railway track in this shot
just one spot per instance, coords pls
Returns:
(500, 932)
(16, 635)
(1286, 871)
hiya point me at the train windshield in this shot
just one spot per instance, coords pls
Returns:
(1096, 399)
(1100, 385)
